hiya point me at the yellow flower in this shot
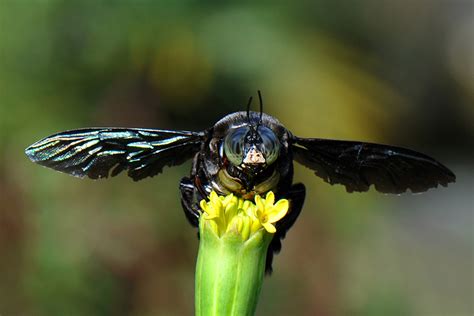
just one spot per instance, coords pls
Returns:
(269, 213)
(232, 215)
(233, 248)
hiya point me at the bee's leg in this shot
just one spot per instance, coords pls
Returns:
(190, 207)
(296, 196)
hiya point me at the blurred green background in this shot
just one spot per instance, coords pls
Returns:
(398, 72)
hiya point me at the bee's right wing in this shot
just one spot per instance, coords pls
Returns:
(358, 165)
(98, 152)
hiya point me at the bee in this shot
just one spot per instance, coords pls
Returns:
(245, 153)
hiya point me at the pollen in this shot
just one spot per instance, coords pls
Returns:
(232, 215)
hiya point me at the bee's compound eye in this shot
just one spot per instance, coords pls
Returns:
(234, 144)
(270, 144)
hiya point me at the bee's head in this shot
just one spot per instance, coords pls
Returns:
(252, 146)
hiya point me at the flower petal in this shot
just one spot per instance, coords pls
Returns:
(278, 211)
(227, 199)
(217, 209)
(259, 203)
(213, 196)
(231, 211)
(255, 225)
(245, 230)
(209, 210)
(269, 199)
(203, 205)
(269, 228)
(234, 225)
(248, 209)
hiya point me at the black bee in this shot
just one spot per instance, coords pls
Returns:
(245, 153)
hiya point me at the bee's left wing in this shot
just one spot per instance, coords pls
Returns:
(98, 152)
(358, 165)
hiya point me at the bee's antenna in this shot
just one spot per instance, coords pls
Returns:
(248, 108)
(261, 105)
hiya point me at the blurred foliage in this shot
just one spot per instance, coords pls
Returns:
(393, 71)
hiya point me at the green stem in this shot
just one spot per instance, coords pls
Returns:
(229, 272)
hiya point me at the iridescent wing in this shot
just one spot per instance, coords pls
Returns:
(98, 152)
(358, 165)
